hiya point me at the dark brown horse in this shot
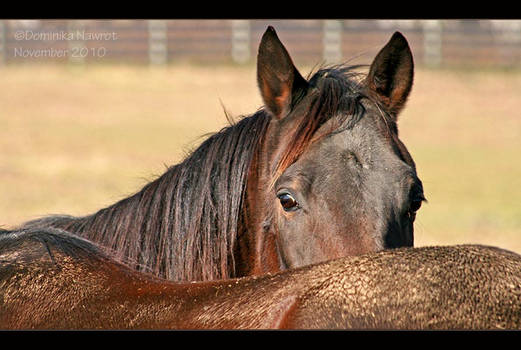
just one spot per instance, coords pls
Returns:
(318, 173)
(50, 279)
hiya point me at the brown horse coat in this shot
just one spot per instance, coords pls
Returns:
(53, 280)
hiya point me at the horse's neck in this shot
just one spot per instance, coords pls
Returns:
(257, 244)
(186, 222)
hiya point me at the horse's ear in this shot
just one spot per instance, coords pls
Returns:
(391, 74)
(279, 81)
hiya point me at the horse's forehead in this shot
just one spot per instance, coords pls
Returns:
(373, 138)
(370, 135)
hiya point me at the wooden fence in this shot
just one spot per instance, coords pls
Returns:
(434, 42)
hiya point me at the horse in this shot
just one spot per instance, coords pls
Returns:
(317, 173)
(52, 279)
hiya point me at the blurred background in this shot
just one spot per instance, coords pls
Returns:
(90, 111)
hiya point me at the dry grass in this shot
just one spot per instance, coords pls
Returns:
(75, 139)
(463, 129)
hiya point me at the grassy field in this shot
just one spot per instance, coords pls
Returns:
(74, 139)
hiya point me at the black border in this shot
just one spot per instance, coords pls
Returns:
(263, 10)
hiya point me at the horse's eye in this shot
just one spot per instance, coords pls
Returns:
(288, 202)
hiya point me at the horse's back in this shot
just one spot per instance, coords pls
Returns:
(49, 278)
(46, 277)
(453, 287)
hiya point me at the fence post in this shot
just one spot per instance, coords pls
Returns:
(432, 42)
(76, 45)
(157, 42)
(507, 33)
(240, 41)
(332, 40)
(3, 53)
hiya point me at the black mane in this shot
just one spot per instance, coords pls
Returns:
(183, 224)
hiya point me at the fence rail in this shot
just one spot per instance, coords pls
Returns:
(434, 42)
